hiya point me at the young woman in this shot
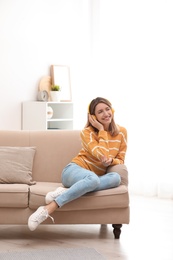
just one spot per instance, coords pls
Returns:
(104, 144)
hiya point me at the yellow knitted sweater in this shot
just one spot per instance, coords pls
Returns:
(98, 144)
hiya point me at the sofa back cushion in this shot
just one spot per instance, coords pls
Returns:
(55, 149)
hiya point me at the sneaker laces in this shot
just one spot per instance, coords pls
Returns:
(51, 219)
(40, 217)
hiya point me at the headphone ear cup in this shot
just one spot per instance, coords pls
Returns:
(89, 108)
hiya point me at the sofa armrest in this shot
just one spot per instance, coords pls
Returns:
(122, 170)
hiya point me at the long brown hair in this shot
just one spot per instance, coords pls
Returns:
(113, 128)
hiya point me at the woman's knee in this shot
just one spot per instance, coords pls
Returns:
(115, 179)
(93, 180)
(122, 170)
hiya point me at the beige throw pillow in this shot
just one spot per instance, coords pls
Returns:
(16, 164)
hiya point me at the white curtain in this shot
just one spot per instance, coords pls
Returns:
(132, 63)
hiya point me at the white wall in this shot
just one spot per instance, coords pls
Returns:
(33, 35)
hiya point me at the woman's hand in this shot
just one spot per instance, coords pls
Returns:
(106, 161)
(95, 123)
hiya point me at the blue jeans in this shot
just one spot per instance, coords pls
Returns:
(80, 181)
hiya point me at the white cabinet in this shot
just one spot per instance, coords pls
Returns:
(35, 115)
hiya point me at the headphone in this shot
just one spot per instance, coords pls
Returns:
(113, 111)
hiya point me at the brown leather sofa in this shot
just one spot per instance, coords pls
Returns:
(53, 150)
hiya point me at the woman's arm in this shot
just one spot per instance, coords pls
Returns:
(120, 157)
(95, 144)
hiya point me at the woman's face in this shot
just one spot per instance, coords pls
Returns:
(104, 114)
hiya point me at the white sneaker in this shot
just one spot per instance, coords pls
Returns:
(52, 195)
(40, 215)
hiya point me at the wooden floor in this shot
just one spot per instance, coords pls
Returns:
(149, 236)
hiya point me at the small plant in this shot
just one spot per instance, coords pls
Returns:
(55, 88)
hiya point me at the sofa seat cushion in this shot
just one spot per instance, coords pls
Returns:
(14, 195)
(111, 198)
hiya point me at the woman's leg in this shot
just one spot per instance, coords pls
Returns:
(79, 181)
(108, 181)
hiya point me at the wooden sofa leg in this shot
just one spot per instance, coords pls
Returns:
(117, 230)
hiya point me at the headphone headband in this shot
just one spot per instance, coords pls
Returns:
(113, 111)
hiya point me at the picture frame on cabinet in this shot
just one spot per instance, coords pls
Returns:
(60, 75)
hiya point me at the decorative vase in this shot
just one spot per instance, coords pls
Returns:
(55, 96)
(49, 112)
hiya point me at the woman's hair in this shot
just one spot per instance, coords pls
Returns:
(113, 128)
